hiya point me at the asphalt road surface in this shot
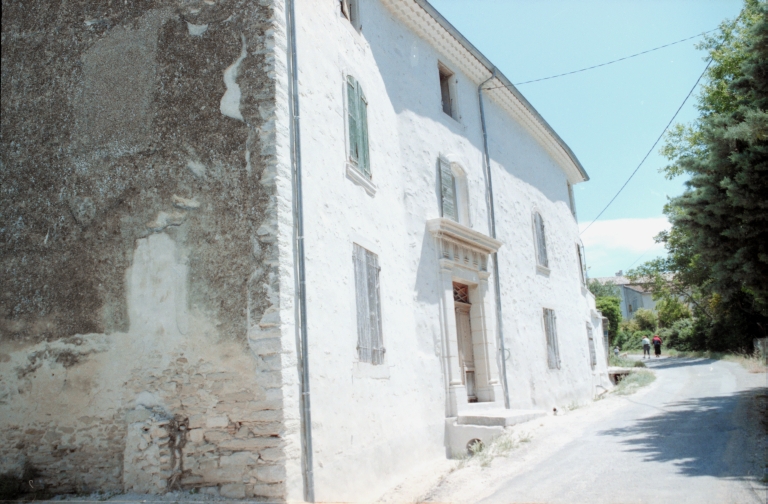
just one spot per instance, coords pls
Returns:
(689, 437)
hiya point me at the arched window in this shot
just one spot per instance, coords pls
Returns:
(454, 201)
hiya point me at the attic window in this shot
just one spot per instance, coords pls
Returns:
(447, 91)
(350, 10)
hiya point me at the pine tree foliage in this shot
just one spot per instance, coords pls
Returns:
(718, 242)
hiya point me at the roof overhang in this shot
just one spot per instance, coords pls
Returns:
(427, 22)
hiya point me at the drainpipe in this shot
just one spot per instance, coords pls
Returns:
(298, 218)
(492, 218)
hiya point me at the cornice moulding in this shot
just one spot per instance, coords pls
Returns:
(453, 231)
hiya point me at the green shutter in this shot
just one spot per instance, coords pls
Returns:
(353, 121)
(365, 165)
(447, 190)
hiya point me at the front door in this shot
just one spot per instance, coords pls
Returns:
(464, 333)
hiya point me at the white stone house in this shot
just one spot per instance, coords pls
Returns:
(362, 254)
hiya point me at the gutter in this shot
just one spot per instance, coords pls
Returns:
(424, 4)
(298, 219)
(495, 256)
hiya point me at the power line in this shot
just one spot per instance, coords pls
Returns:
(652, 147)
(609, 62)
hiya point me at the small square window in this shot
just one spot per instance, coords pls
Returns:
(350, 10)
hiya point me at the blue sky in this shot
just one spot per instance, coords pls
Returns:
(609, 116)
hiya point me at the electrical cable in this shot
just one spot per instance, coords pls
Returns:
(607, 63)
(652, 147)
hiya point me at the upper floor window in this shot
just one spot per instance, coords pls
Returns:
(453, 192)
(571, 200)
(357, 125)
(582, 264)
(350, 10)
(370, 344)
(447, 90)
(540, 240)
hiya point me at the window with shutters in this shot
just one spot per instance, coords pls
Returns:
(370, 345)
(453, 192)
(592, 353)
(540, 240)
(571, 200)
(357, 127)
(351, 11)
(550, 330)
(582, 264)
(447, 90)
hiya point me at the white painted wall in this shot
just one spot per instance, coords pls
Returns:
(371, 424)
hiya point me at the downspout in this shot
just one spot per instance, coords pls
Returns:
(492, 218)
(298, 218)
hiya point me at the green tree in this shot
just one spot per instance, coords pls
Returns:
(718, 243)
(610, 307)
(670, 310)
(607, 289)
(645, 320)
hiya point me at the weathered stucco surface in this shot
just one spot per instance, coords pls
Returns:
(147, 317)
(140, 344)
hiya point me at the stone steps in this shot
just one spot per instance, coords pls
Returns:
(498, 417)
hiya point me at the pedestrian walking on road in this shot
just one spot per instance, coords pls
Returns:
(646, 347)
(656, 345)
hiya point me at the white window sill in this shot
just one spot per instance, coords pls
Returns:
(358, 178)
(543, 270)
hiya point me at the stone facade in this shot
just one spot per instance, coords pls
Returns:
(140, 344)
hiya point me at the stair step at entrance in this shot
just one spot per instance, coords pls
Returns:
(502, 418)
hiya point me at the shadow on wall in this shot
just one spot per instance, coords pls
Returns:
(683, 435)
(410, 75)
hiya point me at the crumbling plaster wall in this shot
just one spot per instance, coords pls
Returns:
(143, 218)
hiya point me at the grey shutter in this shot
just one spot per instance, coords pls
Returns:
(369, 339)
(345, 8)
(353, 121)
(374, 309)
(541, 242)
(583, 264)
(553, 352)
(447, 190)
(592, 353)
(362, 107)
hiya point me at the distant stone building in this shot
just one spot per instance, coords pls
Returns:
(634, 296)
(194, 245)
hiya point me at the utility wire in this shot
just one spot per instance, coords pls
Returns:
(652, 147)
(609, 62)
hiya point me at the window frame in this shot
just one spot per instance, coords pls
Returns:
(370, 339)
(549, 320)
(353, 94)
(452, 81)
(460, 188)
(592, 349)
(540, 241)
(350, 10)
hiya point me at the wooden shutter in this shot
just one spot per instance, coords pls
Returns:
(362, 108)
(541, 242)
(447, 190)
(582, 266)
(370, 346)
(550, 328)
(357, 120)
(592, 353)
(353, 121)
(345, 8)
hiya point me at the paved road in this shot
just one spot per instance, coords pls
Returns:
(684, 439)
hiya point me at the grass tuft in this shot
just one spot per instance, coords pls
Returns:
(634, 381)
